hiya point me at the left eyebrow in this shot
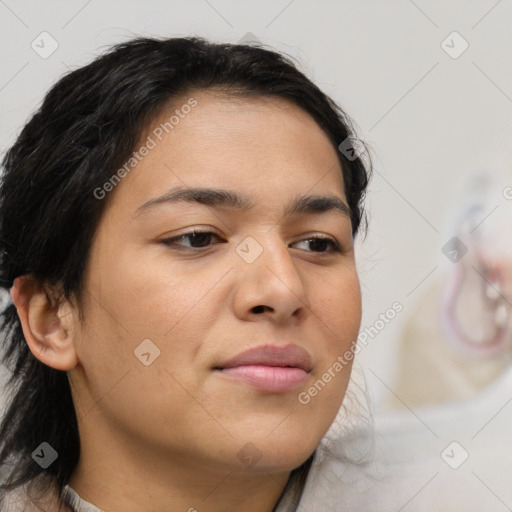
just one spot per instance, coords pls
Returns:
(230, 199)
(317, 204)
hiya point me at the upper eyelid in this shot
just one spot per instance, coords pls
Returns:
(194, 231)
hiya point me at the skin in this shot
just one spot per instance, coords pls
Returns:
(166, 436)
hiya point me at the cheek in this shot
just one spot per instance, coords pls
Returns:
(338, 308)
(172, 306)
(121, 387)
(337, 303)
(152, 296)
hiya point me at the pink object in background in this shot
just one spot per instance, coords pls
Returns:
(476, 298)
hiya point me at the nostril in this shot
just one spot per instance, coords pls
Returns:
(258, 309)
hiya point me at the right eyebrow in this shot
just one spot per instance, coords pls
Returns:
(206, 196)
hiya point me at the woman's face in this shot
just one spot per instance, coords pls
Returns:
(165, 312)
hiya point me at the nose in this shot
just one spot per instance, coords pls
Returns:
(271, 287)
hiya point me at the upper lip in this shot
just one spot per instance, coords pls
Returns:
(272, 355)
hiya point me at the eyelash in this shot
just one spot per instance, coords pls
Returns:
(172, 242)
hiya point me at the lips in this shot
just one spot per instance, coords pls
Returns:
(271, 368)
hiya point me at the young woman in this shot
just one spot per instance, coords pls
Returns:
(177, 237)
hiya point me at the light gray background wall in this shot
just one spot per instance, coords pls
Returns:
(430, 118)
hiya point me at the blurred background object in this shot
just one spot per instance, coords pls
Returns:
(458, 339)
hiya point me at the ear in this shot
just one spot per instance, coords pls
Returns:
(48, 328)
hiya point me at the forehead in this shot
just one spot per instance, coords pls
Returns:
(266, 146)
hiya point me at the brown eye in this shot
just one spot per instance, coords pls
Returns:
(320, 244)
(195, 239)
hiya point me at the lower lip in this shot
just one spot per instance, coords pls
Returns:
(274, 379)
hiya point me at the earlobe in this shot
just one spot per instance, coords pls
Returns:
(48, 329)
